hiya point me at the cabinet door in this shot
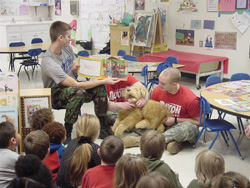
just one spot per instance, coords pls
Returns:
(27, 37)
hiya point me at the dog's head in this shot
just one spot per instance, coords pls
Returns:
(134, 93)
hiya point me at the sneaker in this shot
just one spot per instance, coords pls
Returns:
(103, 133)
(174, 147)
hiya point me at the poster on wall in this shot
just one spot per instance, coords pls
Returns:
(58, 8)
(165, 1)
(208, 41)
(225, 40)
(241, 4)
(142, 29)
(227, 5)
(188, 6)
(139, 4)
(184, 37)
(212, 5)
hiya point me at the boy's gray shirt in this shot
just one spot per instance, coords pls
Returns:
(7, 166)
(56, 68)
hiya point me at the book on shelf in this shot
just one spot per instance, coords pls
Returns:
(103, 68)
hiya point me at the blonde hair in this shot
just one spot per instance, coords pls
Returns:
(208, 164)
(231, 179)
(58, 28)
(173, 74)
(152, 144)
(128, 171)
(87, 127)
(154, 180)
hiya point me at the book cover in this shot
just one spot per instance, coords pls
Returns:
(103, 68)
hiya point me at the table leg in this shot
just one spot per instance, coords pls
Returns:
(221, 68)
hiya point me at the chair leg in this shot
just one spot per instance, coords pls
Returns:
(216, 136)
(19, 70)
(27, 72)
(223, 135)
(235, 145)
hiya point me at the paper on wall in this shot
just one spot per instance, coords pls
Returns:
(241, 22)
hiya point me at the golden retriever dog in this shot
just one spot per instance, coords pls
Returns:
(151, 116)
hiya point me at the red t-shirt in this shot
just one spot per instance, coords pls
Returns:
(100, 176)
(183, 104)
(115, 91)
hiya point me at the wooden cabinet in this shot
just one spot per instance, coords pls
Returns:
(116, 39)
(24, 32)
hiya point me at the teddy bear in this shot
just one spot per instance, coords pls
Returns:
(150, 116)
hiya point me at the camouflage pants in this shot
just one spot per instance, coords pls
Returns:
(181, 132)
(72, 98)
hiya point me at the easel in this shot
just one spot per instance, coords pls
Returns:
(157, 37)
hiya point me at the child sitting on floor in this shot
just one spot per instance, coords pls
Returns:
(9, 139)
(110, 151)
(208, 164)
(81, 152)
(56, 132)
(31, 173)
(128, 171)
(231, 180)
(37, 143)
(40, 118)
(154, 180)
(152, 146)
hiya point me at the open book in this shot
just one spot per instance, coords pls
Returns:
(103, 68)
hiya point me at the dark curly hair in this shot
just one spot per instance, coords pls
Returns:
(40, 118)
(31, 173)
(56, 132)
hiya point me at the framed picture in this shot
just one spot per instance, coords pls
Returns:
(241, 4)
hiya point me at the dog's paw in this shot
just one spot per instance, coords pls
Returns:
(118, 132)
(161, 128)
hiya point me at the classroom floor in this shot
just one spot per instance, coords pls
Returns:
(184, 161)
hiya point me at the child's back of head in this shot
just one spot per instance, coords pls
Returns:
(111, 150)
(152, 144)
(208, 164)
(154, 180)
(37, 143)
(231, 179)
(40, 118)
(56, 132)
(31, 173)
(9, 137)
(128, 171)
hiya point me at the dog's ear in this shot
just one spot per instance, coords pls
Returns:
(144, 91)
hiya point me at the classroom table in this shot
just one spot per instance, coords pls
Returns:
(192, 62)
(225, 91)
(22, 49)
(136, 67)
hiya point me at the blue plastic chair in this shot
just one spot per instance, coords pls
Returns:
(83, 53)
(36, 40)
(144, 74)
(238, 77)
(33, 61)
(214, 125)
(159, 69)
(172, 59)
(14, 57)
(130, 57)
(211, 80)
(121, 53)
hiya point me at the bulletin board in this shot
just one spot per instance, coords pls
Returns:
(96, 15)
(14, 7)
